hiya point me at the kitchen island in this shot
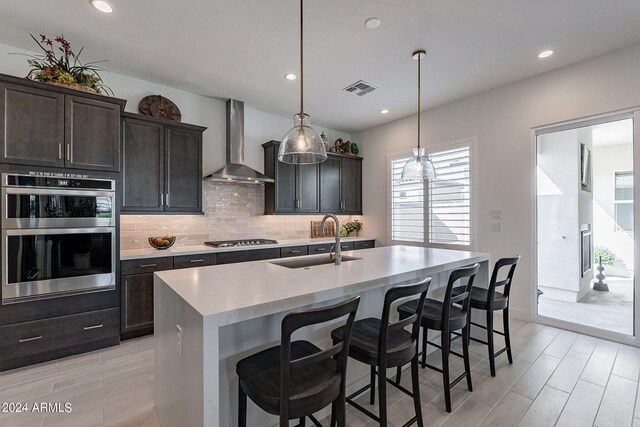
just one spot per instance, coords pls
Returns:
(208, 318)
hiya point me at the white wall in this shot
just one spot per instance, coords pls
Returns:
(196, 109)
(502, 119)
(558, 227)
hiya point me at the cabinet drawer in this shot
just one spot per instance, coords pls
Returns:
(147, 265)
(365, 244)
(319, 249)
(346, 246)
(250, 255)
(200, 260)
(24, 339)
(293, 251)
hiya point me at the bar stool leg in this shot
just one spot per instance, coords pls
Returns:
(242, 408)
(382, 395)
(425, 332)
(334, 413)
(415, 381)
(341, 406)
(465, 353)
(372, 396)
(445, 342)
(507, 337)
(492, 356)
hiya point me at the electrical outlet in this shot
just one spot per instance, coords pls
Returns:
(496, 213)
(179, 333)
(496, 227)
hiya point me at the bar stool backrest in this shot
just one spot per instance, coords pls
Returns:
(392, 295)
(303, 318)
(495, 283)
(462, 296)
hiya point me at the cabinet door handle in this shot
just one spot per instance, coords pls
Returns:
(60, 151)
(147, 265)
(86, 328)
(294, 252)
(69, 152)
(167, 199)
(321, 249)
(39, 337)
(196, 260)
(162, 199)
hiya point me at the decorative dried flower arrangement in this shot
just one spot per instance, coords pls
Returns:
(66, 69)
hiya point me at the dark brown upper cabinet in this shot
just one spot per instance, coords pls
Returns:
(162, 166)
(45, 125)
(351, 186)
(295, 187)
(333, 186)
(92, 134)
(341, 185)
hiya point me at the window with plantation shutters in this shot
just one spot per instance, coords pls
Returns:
(449, 201)
(406, 206)
(439, 212)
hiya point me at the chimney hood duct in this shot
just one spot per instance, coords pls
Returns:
(235, 170)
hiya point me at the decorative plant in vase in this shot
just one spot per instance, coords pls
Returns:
(65, 69)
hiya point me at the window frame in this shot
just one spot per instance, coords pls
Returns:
(616, 203)
(470, 142)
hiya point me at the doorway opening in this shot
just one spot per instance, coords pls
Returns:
(585, 225)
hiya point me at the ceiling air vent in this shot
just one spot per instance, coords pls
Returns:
(360, 88)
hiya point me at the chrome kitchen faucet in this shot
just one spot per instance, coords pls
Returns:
(338, 256)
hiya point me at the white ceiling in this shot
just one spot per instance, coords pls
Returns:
(243, 48)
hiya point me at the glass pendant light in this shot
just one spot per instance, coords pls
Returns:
(302, 144)
(419, 167)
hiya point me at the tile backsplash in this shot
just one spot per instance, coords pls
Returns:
(231, 211)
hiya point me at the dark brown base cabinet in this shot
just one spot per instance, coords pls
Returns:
(333, 186)
(137, 277)
(45, 125)
(162, 166)
(26, 343)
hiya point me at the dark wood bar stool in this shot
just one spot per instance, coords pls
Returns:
(447, 316)
(491, 301)
(296, 379)
(382, 344)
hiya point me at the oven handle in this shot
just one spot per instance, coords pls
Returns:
(56, 192)
(45, 231)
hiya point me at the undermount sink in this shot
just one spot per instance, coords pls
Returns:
(311, 261)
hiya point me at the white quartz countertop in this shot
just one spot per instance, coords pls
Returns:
(235, 292)
(203, 249)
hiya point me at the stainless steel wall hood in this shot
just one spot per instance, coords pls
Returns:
(235, 170)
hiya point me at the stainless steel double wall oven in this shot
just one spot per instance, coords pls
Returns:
(58, 236)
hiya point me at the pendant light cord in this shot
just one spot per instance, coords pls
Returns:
(301, 63)
(419, 60)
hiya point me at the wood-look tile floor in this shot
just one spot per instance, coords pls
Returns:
(557, 378)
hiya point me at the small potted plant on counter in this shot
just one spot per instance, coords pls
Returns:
(66, 69)
(350, 227)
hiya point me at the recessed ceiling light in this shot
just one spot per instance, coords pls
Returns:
(290, 76)
(372, 23)
(545, 54)
(384, 111)
(102, 6)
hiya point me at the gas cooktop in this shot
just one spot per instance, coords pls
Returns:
(247, 242)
